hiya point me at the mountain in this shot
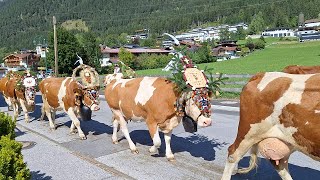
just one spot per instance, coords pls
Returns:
(24, 23)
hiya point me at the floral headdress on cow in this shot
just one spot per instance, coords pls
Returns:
(88, 82)
(193, 83)
(89, 78)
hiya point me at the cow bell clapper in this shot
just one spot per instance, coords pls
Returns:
(189, 124)
(85, 113)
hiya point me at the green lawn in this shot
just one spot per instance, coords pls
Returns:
(274, 57)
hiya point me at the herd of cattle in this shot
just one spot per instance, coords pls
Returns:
(279, 112)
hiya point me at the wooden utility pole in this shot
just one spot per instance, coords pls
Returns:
(55, 46)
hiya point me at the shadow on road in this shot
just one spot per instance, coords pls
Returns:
(36, 175)
(91, 127)
(197, 145)
(266, 171)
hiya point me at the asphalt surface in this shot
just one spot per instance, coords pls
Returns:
(201, 155)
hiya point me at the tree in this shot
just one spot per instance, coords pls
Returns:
(111, 40)
(257, 24)
(91, 51)
(249, 44)
(126, 57)
(123, 39)
(224, 34)
(68, 47)
(150, 42)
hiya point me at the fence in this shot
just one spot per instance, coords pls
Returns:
(235, 82)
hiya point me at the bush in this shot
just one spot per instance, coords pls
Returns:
(11, 160)
(260, 44)
(7, 125)
(146, 61)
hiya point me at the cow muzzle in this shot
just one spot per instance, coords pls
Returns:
(95, 107)
(204, 121)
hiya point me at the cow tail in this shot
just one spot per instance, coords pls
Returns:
(253, 161)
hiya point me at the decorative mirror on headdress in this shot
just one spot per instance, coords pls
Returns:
(192, 75)
(89, 78)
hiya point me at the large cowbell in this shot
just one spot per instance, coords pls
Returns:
(85, 113)
(189, 124)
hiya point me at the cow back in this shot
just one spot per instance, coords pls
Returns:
(59, 92)
(295, 69)
(140, 97)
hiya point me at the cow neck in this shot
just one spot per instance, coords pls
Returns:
(199, 96)
(180, 103)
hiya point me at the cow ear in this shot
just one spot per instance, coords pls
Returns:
(78, 96)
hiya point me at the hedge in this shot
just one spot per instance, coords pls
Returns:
(11, 159)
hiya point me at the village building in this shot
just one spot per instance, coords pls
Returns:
(225, 50)
(21, 61)
(278, 32)
(111, 55)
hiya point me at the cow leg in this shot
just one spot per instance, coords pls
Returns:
(10, 108)
(51, 121)
(75, 122)
(115, 124)
(234, 158)
(15, 110)
(154, 133)
(24, 109)
(167, 138)
(124, 128)
(282, 168)
(42, 113)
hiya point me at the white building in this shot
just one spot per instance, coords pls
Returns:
(279, 32)
(312, 23)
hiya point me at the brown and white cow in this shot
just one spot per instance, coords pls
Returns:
(279, 114)
(19, 95)
(151, 99)
(108, 78)
(296, 69)
(68, 95)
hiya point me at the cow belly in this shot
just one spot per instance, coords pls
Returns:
(273, 148)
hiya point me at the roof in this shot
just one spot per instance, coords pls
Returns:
(312, 21)
(135, 51)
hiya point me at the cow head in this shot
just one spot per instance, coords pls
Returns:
(198, 106)
(88, 97)
(30, 84)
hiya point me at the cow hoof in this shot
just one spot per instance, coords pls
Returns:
(153, 150)
(73, 132)
(83, 138)
(135, 151)
(171, 159)
(115, 142)
(52, 128)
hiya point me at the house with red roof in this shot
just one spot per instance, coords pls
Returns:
(111, 55)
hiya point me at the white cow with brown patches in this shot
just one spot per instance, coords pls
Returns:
(278, 115)
(67, 95)
(151, 99)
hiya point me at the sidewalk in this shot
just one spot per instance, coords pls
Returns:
(59, 162)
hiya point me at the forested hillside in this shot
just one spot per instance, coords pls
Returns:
(25, 22)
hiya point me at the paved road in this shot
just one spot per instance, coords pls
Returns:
(59, 155)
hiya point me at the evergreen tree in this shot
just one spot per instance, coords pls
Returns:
(257, 24)
(68, 47)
